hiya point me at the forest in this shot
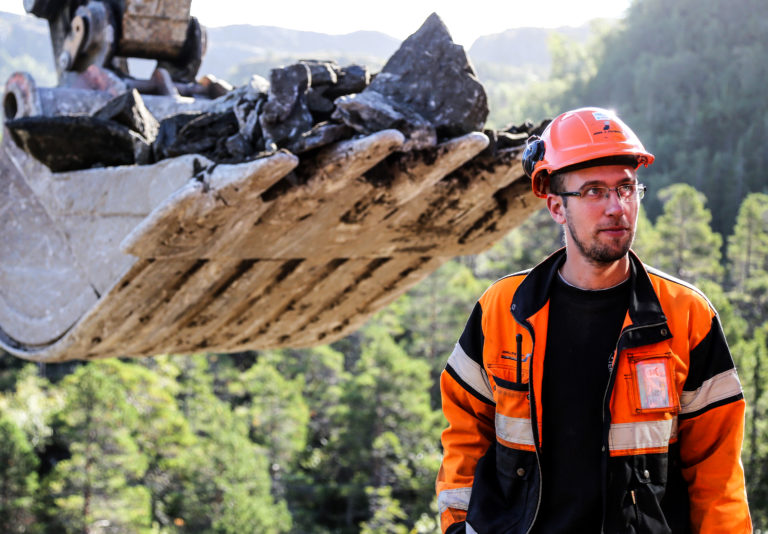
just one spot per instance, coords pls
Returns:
(345, 438)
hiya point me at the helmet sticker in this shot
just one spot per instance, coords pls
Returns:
(602, 116)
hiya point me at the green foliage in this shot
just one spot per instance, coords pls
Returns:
(389, 438)
(525, 246)
(31, 406)
(748, 245)
(387, 516)
(220, 482)
(275, 410)
(18, 478)
(98, 483)
(646, 238)
(529, 95)
(425, 321)
(687, 247)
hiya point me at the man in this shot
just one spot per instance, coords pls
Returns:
(592, 394)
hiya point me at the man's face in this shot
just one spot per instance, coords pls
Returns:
(602, 230)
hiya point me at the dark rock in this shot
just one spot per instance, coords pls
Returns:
(167, 134)
(68, 143)
(239, 147)
(493, 139)
(129, 110)
(319, 105)
(351, 79)
(287, 84)
(279, 134)
(370, 112)
(207, 134)
(142, 153)
(526, 128)
(204, 134)
(322, 72)
(432, 76)
(509, 140)
(285, 115)
(255, 90)
(247, 114)
(321, 134)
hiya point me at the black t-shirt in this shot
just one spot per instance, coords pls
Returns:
(584, 327)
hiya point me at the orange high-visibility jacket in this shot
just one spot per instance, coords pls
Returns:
(674, 413)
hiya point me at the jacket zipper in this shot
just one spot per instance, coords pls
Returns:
(608, 390)
(534, 419)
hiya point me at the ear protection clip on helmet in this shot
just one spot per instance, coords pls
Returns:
(533, 153)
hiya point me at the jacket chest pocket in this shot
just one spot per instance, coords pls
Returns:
(650, 383)
(509, 383)
(513, 410)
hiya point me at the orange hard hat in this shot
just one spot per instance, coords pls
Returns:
(584, 137)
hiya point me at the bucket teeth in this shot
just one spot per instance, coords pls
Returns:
(187, 255)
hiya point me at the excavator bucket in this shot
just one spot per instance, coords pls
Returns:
(189, 253)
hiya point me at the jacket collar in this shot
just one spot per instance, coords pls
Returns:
(644, 306)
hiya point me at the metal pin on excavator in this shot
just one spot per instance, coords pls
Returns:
(186, 254)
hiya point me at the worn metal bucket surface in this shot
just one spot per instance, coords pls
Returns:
(186, 255)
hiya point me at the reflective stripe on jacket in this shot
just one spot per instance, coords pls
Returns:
(673, 414)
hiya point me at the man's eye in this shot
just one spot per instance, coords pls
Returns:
(593, 192)
(626, 190)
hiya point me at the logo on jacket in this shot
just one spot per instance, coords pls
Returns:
(508, 355)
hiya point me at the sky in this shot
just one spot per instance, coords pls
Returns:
(466, 20)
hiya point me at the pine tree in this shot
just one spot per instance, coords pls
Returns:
(687, 246)
(221, 481)
(646, 243)
(748, 245)
(748, 273)
(18, 479)
(99, 483)
(275, 410)
(391, 437)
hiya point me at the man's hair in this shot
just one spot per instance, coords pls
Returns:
(556, 182)
(556, 185)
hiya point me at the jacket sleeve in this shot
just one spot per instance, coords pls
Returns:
(711, 430)
(469, 408)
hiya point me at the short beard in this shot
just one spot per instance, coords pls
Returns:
(600, 254)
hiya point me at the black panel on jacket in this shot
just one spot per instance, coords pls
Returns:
(505, 491)
(472, 339)
(709, 358)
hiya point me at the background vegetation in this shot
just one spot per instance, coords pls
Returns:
(344, 438)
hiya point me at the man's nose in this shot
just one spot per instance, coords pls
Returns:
(613, 203)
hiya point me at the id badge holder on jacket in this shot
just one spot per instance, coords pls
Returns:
(652, 383)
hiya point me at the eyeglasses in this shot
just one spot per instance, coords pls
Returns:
(625, 192)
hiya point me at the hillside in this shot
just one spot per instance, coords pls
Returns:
(25, 45)
(231, 46)
(522, 48)
(511, 55)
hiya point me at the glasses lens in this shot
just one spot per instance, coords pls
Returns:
(626, 191)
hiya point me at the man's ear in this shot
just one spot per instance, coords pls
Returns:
(556, 208)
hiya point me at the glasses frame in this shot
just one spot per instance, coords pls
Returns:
(639, 192)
